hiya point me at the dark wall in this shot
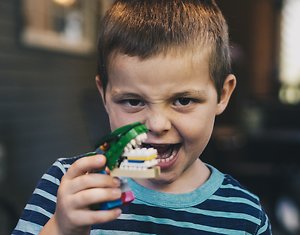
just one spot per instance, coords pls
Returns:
(49, 107)
(46, 101)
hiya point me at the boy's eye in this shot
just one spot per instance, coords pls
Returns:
(183, 101)
(133, 102)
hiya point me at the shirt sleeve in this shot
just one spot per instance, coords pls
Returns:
(42, 203)
(265, 226)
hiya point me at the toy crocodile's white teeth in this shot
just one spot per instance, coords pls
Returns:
(141, 138)
(138, 140)
(129, 147)
(133, 143)
(138, 166)
(136, 158)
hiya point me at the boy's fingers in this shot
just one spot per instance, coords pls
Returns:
(88, 217)
(84, 165)
(86, 198)
(92, 180)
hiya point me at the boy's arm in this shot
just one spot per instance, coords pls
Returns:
(41, 205)
(42, 208)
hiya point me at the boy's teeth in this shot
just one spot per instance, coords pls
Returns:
(168, 155)
(163, 160)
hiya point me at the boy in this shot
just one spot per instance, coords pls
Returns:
(164, 63)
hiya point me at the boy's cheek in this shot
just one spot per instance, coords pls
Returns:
(118, 119)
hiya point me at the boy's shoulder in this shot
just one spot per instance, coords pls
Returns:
(59, 168)
(232, 191)
(65, 162)
(237, 192)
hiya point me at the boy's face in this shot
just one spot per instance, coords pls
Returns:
(176, 99)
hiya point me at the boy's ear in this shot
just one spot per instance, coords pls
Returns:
(100, 87)
(228, 88)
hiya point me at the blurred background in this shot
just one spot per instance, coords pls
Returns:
(49, 106)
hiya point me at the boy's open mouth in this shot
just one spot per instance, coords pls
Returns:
(167, 153)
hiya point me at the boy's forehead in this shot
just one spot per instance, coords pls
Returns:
(188, 54)
(167, 70)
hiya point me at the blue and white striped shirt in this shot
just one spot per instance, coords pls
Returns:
(220, 206)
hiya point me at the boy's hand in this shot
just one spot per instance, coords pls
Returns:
(80, 189)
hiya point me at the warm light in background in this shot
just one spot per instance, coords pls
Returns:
(65, 2)
(290, 52)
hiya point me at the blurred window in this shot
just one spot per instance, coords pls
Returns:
(290, 52)
(62, 25)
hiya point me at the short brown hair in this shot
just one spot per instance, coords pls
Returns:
(146, 28)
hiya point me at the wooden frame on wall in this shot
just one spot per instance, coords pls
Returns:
(61, 25)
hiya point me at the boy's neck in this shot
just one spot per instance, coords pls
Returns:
(192, 179)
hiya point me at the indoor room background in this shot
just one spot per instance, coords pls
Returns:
(50, 108)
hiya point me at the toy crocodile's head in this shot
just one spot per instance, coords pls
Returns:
(125, 158)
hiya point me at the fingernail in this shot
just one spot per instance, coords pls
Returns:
(101, 158)
(117, 182)
(118, 212)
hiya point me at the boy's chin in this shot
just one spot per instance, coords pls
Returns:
(159, 183)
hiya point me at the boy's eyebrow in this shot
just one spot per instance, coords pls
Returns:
(131, 95)
(198, 93)
(124, 95)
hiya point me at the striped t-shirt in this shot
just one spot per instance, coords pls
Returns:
(219, 206)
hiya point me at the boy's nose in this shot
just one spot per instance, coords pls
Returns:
(158, 123)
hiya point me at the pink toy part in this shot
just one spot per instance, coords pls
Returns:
(127, 197)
